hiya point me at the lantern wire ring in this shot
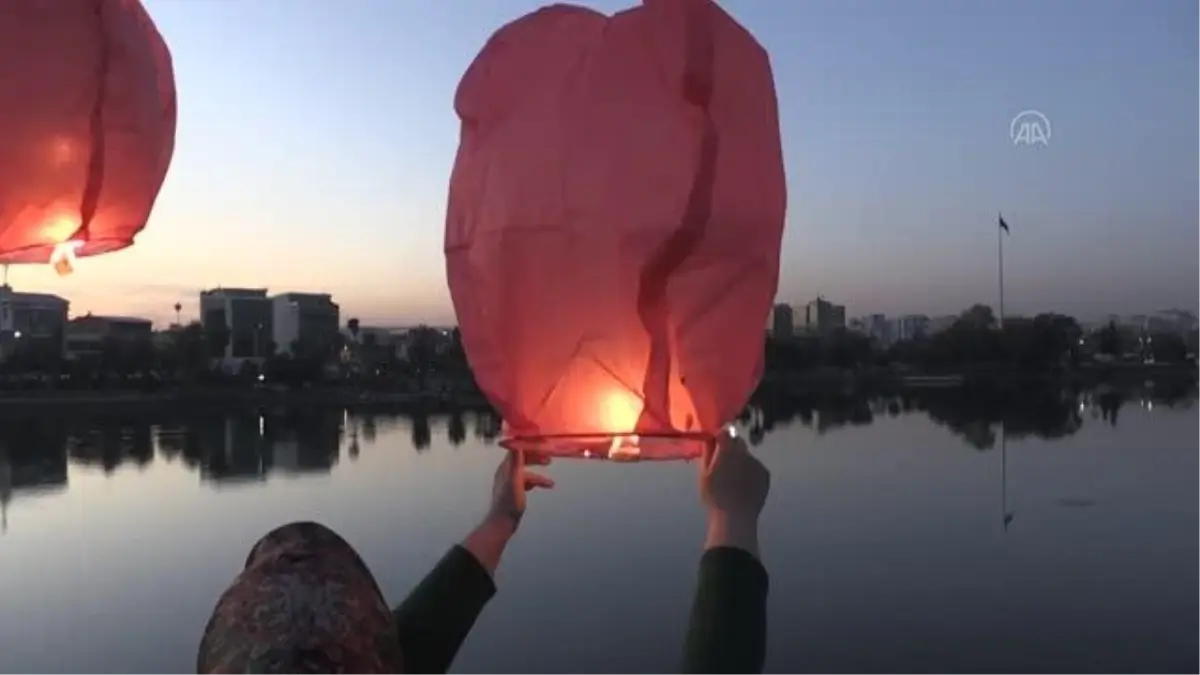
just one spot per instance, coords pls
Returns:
(604, 445)
(663, 435)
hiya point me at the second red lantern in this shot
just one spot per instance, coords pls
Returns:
(87, 127)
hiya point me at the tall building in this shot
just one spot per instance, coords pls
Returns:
(305, 322)
(909, 327)
(783, 322)
(241, 316)
(877, 329)
(30, 318)
(822, 316)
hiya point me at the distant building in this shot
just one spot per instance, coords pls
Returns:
(783, 322)
(374, 342)
(822, 316)
(877, 329)
(243, 317)
(909, 327)
(87, 335)
(30, 318)
(378, 335)
(304, 321)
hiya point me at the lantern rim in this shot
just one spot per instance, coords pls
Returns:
(614, 447)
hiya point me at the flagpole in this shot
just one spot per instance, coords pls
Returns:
(1000, 257)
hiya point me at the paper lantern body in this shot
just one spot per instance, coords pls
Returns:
(87, 125)
(614, 223)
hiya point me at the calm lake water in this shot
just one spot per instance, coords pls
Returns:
(885, 534)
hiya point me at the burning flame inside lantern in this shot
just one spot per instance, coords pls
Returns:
(620, 410)
(619, 415)
(61, 227)
(62, 259)
(603, 421)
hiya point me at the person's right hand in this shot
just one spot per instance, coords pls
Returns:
(733, 487)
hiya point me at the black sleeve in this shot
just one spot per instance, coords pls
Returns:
(728, 628)
(435, 618)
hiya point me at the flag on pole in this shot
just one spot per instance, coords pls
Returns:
(1004, 225)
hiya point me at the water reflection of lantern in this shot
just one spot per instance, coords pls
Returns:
(87, 127)
(614, 224)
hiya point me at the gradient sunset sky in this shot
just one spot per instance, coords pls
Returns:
(316, 139)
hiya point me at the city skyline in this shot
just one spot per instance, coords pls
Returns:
(325, 170)
(845, 318)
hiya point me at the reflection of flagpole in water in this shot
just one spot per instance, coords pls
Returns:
(1006, 516)
(5, 491)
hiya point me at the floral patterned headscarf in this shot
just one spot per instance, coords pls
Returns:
(305, 603)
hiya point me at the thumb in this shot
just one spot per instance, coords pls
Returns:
(516, 466)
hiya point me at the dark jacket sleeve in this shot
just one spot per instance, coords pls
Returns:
(435, 618)
(728, 628)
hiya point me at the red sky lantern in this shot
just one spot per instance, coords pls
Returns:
(614, 224)
(87, 127)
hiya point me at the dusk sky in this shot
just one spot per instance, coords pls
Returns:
(316, 139)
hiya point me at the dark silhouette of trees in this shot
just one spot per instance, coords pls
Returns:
(977, 317)
(1108, 340)
(1046, 342)
(1168, 348)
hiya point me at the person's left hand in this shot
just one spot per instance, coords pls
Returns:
(511, 483)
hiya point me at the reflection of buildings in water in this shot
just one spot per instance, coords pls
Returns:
(422, 434)
(369, 429)
(1110, 404)
(235, 450)
(363, 427)
(978, 434)
(821, 412)
(110, 442)
(250, 447)
(970, 414)
(171, 442)
(351, 424)
(370, 424)
(42, 471)
(456, 429)
(487, 427)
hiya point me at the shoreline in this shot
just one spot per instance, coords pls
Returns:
(862, 381)
(117, 401)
